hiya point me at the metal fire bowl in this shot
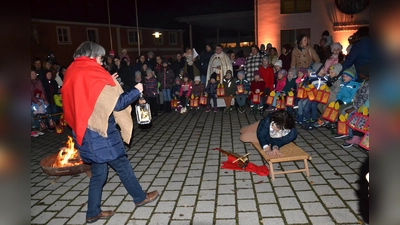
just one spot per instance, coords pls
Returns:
(62, 171)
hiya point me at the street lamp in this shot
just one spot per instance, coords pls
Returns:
(157, 36)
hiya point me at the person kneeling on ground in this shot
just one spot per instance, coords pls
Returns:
(274, 131)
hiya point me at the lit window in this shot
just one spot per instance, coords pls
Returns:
(290, 36)
(295, 6)
(63, 35)
(246, 44)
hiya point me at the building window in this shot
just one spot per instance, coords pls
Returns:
(92, 35)
(290, 36)
(159, 40)
(172, 38)
(246, 44)
(295, 6)
(133, 38)
(229, 45)
(63, 35)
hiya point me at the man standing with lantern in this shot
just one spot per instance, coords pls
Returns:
(94, 103)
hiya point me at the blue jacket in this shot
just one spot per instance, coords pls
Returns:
(211, 88)
(359, 54)
(245, 83)
(264, 137)
(98, 149)
(347, 91)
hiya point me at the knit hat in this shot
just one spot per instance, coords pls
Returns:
(350, 72)
(256, 72)
(336, 45)
(185, 75)
(213, 76)
(177, 78)
(283, 72)
(138, 72)
(229, 72)
(317, 67)
(149, 71)
(165, 61)
(278, 63)
(337, 67)
(325, 33)
(241, 72)
(303, 70)
(197, 78)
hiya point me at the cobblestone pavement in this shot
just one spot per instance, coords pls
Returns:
(176, 158)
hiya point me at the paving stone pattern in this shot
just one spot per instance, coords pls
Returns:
(176, 157)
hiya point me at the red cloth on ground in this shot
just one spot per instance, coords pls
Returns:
(251, 167)
(83, 82)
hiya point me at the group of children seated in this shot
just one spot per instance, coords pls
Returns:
(272, 88)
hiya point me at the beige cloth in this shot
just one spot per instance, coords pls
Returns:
(249, 133)
(105, 105)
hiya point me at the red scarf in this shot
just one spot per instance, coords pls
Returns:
(83, 82)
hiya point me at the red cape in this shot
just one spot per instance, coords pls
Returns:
(83, 82)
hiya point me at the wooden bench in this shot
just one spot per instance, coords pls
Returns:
(291, 152)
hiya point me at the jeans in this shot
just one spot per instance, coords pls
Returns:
(203, 79)
(123, 168)
(167, 95)
(241, 99)
(311, 110)
(214, 98)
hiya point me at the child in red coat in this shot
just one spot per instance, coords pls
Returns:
(256, 87)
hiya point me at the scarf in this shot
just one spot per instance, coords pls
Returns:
(89, 96)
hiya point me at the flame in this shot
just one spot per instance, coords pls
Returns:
(68, 156)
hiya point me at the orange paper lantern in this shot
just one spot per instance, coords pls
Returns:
(240, 88)
(203, 100)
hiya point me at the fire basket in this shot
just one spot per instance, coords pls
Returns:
(66, 162)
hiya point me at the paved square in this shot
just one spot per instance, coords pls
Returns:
(176, 158)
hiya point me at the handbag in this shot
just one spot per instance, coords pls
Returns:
(365, 141)
(342, 127)
(331, 112)
(360, 120)
(220, 90)
(270, 98)
(290, 99)
(323, 94)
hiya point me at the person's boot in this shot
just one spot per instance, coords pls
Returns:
(168, 106)
(251, 110)
(215, 109)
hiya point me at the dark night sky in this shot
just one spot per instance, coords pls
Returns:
(153, 14)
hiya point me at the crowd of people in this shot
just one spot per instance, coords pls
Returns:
(98, 91)
(244, 82)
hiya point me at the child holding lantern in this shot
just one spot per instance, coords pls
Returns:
(197, 89)
(211, 92)
(290, 86)
(302, 76)
(333, 84)
(256, 92)
(316, 79)
(242, 90)
(230, 89)
(280, 84)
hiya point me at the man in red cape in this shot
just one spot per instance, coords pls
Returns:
(94, 103)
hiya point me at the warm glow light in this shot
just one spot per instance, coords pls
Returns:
(157, 34)
(68, 156)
